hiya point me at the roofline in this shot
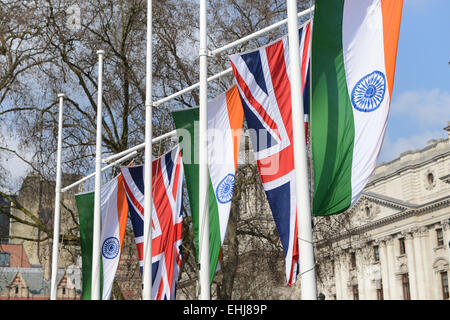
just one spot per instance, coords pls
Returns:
(404, 214)
(392, 202)
(404, 168)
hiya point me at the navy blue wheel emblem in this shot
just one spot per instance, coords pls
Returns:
(368, 93)
(224, 191)
(110, 248)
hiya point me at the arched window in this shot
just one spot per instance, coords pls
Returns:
(430, 179)
(367, 210)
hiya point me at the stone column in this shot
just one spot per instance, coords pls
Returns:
(410, 252)
(384, 264)
(392, 270)
(427, 262)
(419, 262)
(343, 276)
(334, 279)
(337, 275)
(446, 231)
(359, 269)
(372, 269)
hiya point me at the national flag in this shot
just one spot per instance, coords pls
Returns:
(114, 211)
(354, 48)
(167, 219)
(263, 79)
(225, 120)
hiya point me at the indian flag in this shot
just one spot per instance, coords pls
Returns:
(354, 49)
(225, 120)
(114, 210)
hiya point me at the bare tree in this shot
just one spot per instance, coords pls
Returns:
(44, 50)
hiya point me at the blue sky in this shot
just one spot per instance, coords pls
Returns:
(420, 105)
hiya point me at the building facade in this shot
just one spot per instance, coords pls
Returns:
(5, 210)
(392, 244)
(19, 280)
(25, 250)
(396, 243)
(37, 196)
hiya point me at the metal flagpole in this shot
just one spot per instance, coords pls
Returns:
(113, 164)
(212, 78)
(203, 165)
(95, 287)
(140, 146)
(304, 225)
(57, 216)
(147, 259)
(258, 33)
(193, 87)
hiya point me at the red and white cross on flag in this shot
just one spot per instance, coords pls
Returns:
(167, 218)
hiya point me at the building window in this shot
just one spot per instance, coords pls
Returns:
(405, 287)
(353, 260)
(367, 210)
(380, 295)
(16, 290)
(355, 292)
(5, 258)
(440, 237)
(63, 290)
(444, 281)
(46, 216)
(332, 267)
(430, 179)
(376, 253)
(401, 242)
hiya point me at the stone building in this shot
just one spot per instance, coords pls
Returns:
(397, 236)
(5, 210)
(19, 280)
(37, 196)
(392, 244)
(25, 249)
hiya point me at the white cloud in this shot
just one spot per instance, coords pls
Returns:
(426, 108)
(416, 117)
(392, 148)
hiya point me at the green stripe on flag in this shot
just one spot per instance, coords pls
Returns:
(186, 123)
(332, 124)
(85, 205)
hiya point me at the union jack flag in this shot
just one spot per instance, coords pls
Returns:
(262, 77)
(167, 182)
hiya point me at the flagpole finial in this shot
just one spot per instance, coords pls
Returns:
(61, 95)
(100, 52)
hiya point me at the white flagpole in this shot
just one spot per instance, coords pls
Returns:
(258, 33)
(114, 164)
(95, 287)
(57, 216)
(167, 135)
(196, 85)
(203, 165)
(147, 259)
(305, 241)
